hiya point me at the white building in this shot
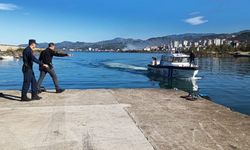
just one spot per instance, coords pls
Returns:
(205, 42)
(147, 49)
(210, 42)
(180, 45)
(176, 44)
(154, 48)
(185, 43)
(223, 41)
(217, 42)
(172, 45)
(237, 44)
(196, 44)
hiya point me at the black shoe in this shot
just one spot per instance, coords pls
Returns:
(1, 95)
(25, 99)
(36, 97)
(60, 90)
(190, 98)
(184, 96)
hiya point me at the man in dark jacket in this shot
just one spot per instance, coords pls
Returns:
(191, 58)
(46, 57)
(29, 76)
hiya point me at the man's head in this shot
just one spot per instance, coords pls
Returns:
(32, 44)
(52, 46)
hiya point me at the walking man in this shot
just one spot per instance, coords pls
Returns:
(28, 73)
(46, 57)
(191, 58)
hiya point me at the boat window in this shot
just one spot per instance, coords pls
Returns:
(168, 59)
(177, 59)
(180, 59)
(185, 59)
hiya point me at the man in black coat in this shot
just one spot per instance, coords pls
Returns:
(46, 57)
(28, 73)
(191, 58)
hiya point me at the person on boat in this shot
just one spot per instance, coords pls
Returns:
(191, 58)
(28, 73)
(46, 57)
(154, 61)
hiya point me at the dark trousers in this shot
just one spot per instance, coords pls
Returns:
(52, 73)
(28, 78)
(191, 61)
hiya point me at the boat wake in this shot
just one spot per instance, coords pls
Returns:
(191, 78)
(196, 78)
(124, 67)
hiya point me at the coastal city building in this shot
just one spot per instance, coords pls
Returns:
(185, 43)
(210, 42)
(196, 44)
(217, 42)
(176, 44)
(200, 44)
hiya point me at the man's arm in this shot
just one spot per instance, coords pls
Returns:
(58, 54)
(25, 59)
(34, 59)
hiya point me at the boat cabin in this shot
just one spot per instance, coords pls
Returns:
(177, 59)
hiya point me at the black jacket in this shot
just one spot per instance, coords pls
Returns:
(192, 56)
(29, 58)
(47, 55)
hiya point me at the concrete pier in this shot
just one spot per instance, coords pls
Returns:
(120, 119)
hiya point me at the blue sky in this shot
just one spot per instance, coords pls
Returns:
(95, 20)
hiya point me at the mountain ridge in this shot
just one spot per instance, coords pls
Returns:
(136, 44)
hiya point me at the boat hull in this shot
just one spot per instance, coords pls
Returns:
(172, 71)
(241, 55)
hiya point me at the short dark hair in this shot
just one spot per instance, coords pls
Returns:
(32, 41)
(51, 44)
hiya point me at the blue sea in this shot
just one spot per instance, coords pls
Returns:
(224, 80)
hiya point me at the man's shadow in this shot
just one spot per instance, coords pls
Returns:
(10, 97)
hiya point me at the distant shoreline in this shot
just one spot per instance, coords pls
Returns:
(201, 54)
(17, 53)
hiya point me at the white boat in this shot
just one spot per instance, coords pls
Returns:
(174, 65)
(7, 58)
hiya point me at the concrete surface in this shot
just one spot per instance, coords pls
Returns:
(120, 119)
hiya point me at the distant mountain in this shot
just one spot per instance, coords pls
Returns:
(137, 44)
(243, 36)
